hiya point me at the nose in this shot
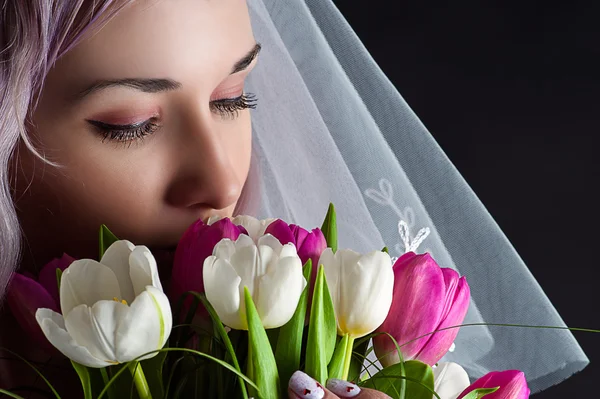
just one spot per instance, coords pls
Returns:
(206, 176)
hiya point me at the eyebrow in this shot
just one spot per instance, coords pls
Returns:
(157, 85)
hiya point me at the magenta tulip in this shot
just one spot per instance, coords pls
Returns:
(426, 298)
(194, 247)
(25, 296)
(309, 244)
(512, 383)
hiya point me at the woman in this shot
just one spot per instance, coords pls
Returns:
(136, 115)
(149, 128)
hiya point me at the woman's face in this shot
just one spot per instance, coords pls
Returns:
(149, 120)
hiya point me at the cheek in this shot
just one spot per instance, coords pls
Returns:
(97, 183)
(239, 144)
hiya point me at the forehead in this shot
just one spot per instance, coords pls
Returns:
(181, 39)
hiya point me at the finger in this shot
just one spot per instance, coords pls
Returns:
(301, 386)
(344, 389)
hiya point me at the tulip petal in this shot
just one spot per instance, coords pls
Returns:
(512, 383)
(281, 230)
(246, 263)
(279, 292)
(144, 327)
(116, 258)
(450, 379)
(143, 270)
(224, 249)
(288, 250)
(24, 297)
(459, 298)
(47, 277)
(223, 291)
(255, 228)
(419, 293)
(335, 274)
(94, 327)
(53, 326)
(87, 282)
(269, 241)
(310, 245)
(365, 291)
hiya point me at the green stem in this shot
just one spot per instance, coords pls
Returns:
(348, 357)
(140, 380)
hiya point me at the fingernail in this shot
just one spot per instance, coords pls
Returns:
(343, 389)
(305, 387)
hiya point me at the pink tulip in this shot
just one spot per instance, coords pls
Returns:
(512, 383)
(309, 244)
(426, 298)
(194, 247)
(25, 296)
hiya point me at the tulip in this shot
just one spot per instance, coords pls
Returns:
(195, 246)
(426, 298)
(271, 271)
(450, 380)
(25, 296)
(512, 383)
(310, 244)
(361, 289)
(254, 227)
(113, 311)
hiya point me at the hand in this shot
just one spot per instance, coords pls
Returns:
(301, 386)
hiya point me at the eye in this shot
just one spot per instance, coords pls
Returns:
(230, 107)
(125, 133)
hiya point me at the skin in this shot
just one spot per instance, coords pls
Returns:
(150, 190)
(194, 165)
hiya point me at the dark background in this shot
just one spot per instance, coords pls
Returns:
(511, 92)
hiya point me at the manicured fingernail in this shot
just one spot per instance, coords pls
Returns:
(343, 389)
(305, 387)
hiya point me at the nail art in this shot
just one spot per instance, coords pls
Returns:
(305, 387)
(343, 389)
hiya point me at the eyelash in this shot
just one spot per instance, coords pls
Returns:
(227, 108)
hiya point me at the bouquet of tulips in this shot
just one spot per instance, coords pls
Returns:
(250, 303)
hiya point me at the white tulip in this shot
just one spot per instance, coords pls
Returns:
(271, 271)
(450, 380)
(112, 311)
(361, 288)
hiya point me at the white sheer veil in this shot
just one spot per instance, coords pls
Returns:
(330, 127)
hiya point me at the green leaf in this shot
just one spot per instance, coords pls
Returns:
(480, 393)
(107, 238)
(289, 345)
(220, 362)
(218, 325)
(264, 366)
(329, 228)
(322, 331)
(10, 394)
(336, 366)
(418, 376)
(386, 250)
(358, 360)
(112, 393)
(153, 368)
(84, 376)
